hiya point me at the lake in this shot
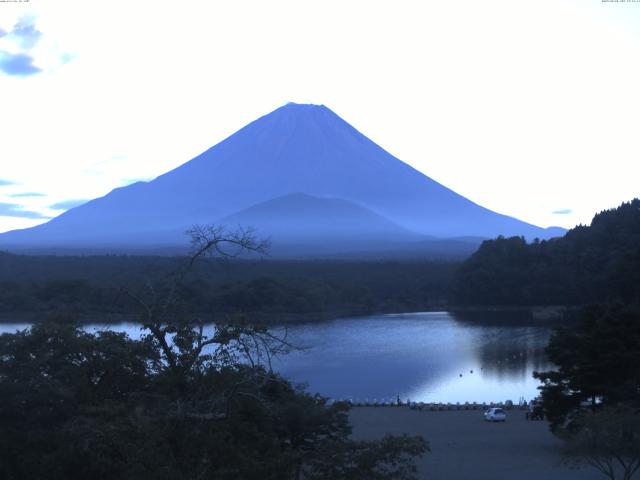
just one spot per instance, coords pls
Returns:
(429, 357)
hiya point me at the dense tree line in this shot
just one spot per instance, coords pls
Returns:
(590, 264)
(272, 290)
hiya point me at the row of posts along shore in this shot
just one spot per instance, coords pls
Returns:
(434, 406)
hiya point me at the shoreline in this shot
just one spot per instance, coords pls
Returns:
(549, 314)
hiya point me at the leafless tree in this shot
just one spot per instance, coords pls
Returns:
(188, 344)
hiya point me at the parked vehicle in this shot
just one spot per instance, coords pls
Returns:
(495, 415)
(534, 411)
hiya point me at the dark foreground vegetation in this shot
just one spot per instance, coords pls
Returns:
(75, 405)
(268, 290)
(181, 403)
(592, 399)
(590, 264)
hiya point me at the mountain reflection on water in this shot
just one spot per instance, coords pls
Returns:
(430, 357)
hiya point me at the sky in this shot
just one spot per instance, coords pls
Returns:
(529, 108)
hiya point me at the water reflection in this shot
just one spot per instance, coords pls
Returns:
(508, 343)
(424, 357)
(434, 356)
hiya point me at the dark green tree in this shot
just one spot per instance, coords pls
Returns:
(592, 399)
(597, 363)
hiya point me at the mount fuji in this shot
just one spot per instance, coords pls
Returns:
(302, 176)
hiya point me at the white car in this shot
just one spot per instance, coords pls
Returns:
(495, 415)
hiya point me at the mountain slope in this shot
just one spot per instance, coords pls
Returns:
(303, 223)
(296, 148)
(302, 216)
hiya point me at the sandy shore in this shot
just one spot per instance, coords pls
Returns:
(465, 447)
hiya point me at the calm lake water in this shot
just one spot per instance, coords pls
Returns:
(430, 357)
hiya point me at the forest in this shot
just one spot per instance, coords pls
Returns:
(268, 290)
(591, 264)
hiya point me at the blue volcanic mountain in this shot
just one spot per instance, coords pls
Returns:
(288, 173)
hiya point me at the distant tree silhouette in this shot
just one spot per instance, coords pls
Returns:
(598, 263)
